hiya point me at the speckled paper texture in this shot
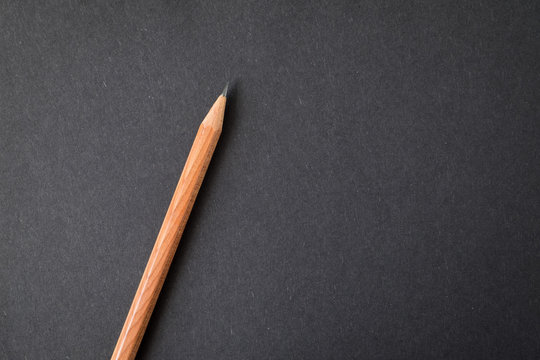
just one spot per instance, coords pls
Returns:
(374, 195)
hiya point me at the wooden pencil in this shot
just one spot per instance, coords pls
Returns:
(171, 231)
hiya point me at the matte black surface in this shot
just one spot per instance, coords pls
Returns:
(375, 193)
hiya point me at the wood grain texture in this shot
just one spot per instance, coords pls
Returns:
(170, 233)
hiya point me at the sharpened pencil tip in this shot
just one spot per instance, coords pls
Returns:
(224, 93)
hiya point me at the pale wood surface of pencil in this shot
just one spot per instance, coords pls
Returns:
(170, 233)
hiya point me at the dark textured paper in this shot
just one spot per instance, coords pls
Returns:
(375, 193)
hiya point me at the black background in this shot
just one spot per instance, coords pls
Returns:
(375, 192)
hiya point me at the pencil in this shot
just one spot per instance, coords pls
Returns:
(171, 231)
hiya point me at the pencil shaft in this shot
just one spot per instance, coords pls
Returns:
(170, 233)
